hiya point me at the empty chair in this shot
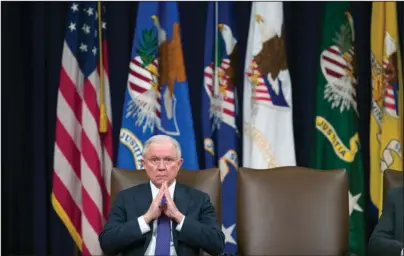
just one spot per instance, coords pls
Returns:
(292, 211)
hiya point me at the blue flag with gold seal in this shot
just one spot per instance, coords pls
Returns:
(157, 97)
(219, 109)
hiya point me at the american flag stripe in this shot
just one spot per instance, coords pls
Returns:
(69, 202)
(90, 248)
(71, 104)
(92, 176)
(83, 156)
(68, 155)
(72, 69)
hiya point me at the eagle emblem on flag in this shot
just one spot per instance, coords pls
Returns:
(337, 64)
(268, 70)
(153, 73)
(385, 77)
(222, 103)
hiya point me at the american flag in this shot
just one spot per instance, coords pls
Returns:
(83, 154)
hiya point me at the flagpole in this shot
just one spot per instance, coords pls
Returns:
(215, 65)
(103, 110)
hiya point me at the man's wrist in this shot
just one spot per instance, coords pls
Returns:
(178, 217)
(144, 227)
(147, 217)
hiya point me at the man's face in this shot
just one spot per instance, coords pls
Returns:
(161, 163)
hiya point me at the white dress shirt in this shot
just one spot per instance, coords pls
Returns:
(144, 227)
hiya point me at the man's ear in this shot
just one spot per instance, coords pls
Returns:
(180, 162)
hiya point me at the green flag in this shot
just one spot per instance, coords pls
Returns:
(336, 126)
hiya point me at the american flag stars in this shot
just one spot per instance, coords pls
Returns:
(84, 27)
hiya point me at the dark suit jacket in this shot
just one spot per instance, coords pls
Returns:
(387, 237)
(200, 229)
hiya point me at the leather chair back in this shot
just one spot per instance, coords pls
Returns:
(207, 180)
(292, 211)
(392, 179)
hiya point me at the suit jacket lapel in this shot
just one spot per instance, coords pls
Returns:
(181, 200)
(143, 200)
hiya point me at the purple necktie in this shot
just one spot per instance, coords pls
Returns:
(163, 236)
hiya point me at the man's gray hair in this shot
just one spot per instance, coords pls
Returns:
(161, 138)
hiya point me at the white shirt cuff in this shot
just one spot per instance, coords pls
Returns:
(402, 252)
(144, 227)
(179, 226)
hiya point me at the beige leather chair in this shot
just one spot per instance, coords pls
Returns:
(207, 180)
(292, 211)
(392, 179)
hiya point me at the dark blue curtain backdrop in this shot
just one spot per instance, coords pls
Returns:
(32, 37)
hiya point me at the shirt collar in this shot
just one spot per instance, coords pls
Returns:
(155, 190)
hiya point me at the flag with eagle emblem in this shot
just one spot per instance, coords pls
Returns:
(219, 109)
(157, 97)
(336, 141)
(386, 130)
(268, 139)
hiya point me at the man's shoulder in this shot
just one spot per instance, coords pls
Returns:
(396, 194)
(193, 192)
(134, 189)
(398, 191)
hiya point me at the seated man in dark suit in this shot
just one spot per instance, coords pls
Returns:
(387, 238)
(162, 217)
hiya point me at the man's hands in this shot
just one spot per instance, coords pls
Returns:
(169, 208)
(154, 210)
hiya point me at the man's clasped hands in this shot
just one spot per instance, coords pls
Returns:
(163, 204)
